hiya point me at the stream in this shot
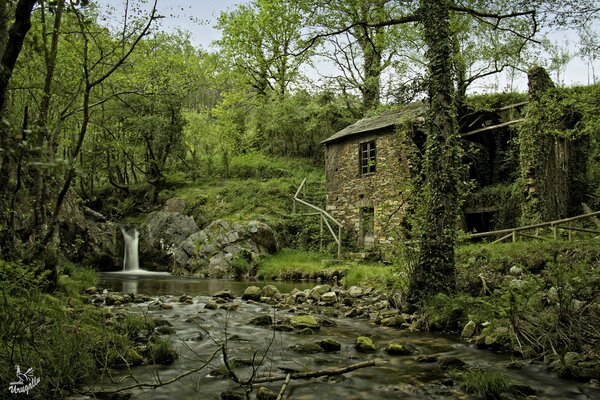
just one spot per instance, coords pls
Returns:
(393, 377)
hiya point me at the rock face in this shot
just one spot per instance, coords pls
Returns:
(161, 235)
(223, 249)
(87, 238)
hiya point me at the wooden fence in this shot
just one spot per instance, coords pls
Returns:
(325, 217)
(563, 224)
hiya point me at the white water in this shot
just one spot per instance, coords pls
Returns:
(131, 261)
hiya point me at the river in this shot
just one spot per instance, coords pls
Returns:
(393, 377)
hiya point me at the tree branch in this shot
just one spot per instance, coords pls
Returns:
(316, 374)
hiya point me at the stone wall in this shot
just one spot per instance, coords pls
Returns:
(385, 190)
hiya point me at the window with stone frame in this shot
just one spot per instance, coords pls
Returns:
(367, 156)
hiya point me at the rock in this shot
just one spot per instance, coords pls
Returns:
(305, 331)
(364, 344)
(175, 205)
(211, 305)
(166, 306)
(91, 290)
(318, 291)
(426, 358)
(451, 362)
(304, 321)
(224, 294)
(261, 320)
(395, 321)
(161, 235)
(306, 348)
(161, 322)
(165, 330)
(264, 393)
(355, 291)
(185, 298)
(468, 330)
(396, 349)
(498, 337)
(514, 365)
(515, 271)
(329, 298)
(224, 249)
(231, 395)
(229, 306)
(330, 345)
(252, 293)
(284, 328)
(269, 291)
(113, 299)
(517, 284)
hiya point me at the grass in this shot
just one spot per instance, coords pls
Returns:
(484, 384)
(288, 261)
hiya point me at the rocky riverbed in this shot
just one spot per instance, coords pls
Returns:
(267, 332)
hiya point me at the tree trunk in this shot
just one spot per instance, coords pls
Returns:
(435, 270)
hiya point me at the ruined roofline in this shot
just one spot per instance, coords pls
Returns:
(410, 112)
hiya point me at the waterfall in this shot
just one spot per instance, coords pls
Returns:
(130, 258)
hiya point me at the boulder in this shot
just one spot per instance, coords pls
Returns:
(469, 330)
(330, 345)
(224, 250)
(251, 293)
(304, 321)
(318, 291)
(355, 291)
(364, 344)
(269, 291)
(329, 298)
(306, 348)
(396, 349)
(161, 235)
(87, 238)
(175, 205)
(261, 320)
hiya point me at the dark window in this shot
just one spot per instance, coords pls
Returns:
(367, 155)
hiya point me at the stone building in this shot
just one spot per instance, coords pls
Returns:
(367, 175)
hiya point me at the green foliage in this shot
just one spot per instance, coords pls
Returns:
(162, 351)
(484, 384)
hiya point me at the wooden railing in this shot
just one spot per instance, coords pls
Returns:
(325, 217)
(512, 233)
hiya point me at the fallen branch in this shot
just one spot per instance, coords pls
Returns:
(159, 384)
(316, 374)
(284, 386)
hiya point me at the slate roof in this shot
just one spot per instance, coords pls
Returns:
(389, 118)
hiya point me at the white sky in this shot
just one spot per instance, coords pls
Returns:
(198, 17)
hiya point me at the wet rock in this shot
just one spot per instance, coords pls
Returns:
(269, 291)
(306, 331)
(514, 365)
(451, 362)
(113, 300)
(395, 349)
(261, 320)
(263, 393)
(229, 306)
(329, 298)
(161, 322)
(395, 321)
(231, 395)
(330, 345)
(91, 290)
(224, 294)
(165, 330)
(304, 321)
(325, 322)
(165, 306)
(426, 358)
(307, 348)
(252, 293)
(285, 328)
(364, 344)
(468, 330)
(185, 298)
(318, 291)
(211, 305)
(522, 390)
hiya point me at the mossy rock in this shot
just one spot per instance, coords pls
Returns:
(304, 321)
(307, 348)
(395, 349)
(330, 345)
(365, 344)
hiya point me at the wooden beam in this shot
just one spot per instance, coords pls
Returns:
(492, 127)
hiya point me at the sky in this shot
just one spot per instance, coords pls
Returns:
(198, 17)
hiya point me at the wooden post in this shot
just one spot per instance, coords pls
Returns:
(321, 235)
(514, 236)
(555, 231)
(339, 242)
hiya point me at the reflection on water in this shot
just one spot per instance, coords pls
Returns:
(160, 284)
